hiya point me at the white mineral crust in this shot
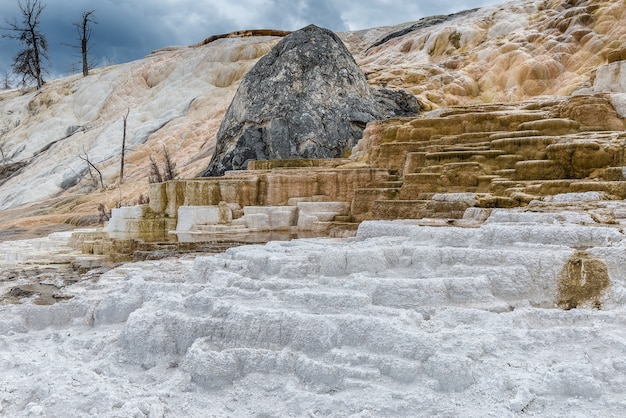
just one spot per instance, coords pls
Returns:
(404, 320)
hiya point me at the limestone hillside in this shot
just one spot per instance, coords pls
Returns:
(176, 98)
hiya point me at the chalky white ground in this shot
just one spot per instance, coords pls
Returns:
(403, 320)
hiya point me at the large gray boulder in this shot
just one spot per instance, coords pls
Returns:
(306, 98)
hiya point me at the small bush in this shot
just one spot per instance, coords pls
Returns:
(165, 173)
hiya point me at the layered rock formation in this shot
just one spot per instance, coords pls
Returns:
(509, 211)
(507, 52)
(307, 98)
(493, 156)
(403, 320)
(454, 168)
(177, 97)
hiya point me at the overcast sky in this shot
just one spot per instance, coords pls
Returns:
(130, 29)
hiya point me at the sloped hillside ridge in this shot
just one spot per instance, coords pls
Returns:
(177, 97)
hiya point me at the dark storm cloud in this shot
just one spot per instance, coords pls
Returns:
(291, 15)
(129, 30)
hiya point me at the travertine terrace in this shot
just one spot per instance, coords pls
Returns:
(548, 129)
(467, 157)
(476, 264)
(496, 58)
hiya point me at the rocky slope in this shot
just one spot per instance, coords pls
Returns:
(306, 98)
(509, 52)
(177, 97)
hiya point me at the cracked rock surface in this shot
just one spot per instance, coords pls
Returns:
(306, 98)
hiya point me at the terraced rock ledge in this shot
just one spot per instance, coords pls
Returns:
(480, 316)
(450, 166)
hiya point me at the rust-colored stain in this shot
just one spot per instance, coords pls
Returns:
(582, 282)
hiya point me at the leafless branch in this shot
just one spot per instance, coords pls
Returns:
(170, 166)
(155, 173)
(91, 165)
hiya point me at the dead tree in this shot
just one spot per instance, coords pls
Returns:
(28, 63)
(166, 173)
(125, 117)
(7, 81)
(169, 171)
(84, 36)
(90, 165)
(155, 172)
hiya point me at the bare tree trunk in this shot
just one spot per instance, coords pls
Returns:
(84, 30)
(125, 117)
(83, 51)
(36, 57)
